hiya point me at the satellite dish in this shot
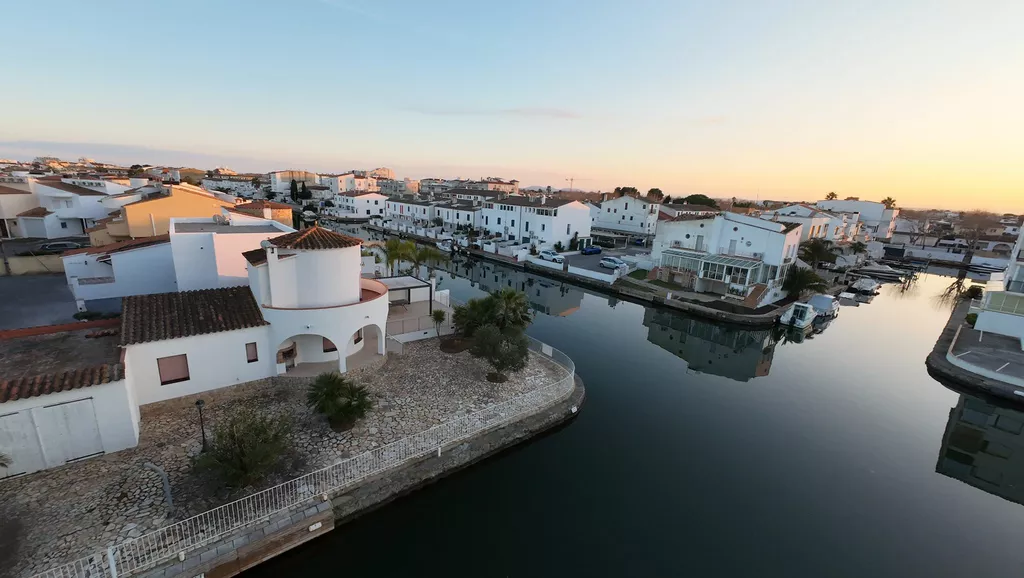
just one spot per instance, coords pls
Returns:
(220, 219)
(266, 244)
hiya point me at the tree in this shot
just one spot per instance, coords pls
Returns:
(505, 351)
(510, 309)
(655, 192)
(471, 316)
(209, 173)
(438, 317)
(255, 182)
(328, 203)
(699, 199)
(817, 250)
(574, 243)
(858, 248)
(397, 251)
(339, 399)
(294, 190)
(889, 202)
(270, 195)
(304, 194)
(831, 197)
(623, 191)
(426, 255)
(800, 281)
(246, 447)
(666, 200)
(437, 221)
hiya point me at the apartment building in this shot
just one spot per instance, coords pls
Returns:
(628, 214)
(541, 222)
(281, 181)
(878, 221)
(361, 203)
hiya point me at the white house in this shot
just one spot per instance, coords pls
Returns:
(739, 257)
(361, 203)
(544, 222)
(628, 214)
(815, 224)
(1002, 309)
(878, 221)
(16, 197)
(238, 185)
(676, 209)
(351, 181)
(473, 195)
(72, 392)
(459, 214)
(407, 209)
(197, 253)
(495, 184)
(281, 181)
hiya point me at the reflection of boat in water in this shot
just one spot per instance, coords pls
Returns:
(824, 305)
(880, 271)
(983, 446)
(730, 351)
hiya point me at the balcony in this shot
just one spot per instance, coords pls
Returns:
(694, 246)
(1015, 286)
(745, 254)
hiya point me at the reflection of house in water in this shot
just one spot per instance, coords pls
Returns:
(983, 446)
(545, 295)
(712, 348)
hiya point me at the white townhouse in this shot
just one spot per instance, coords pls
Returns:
(543, 222)
(740, 257)
(361, 203)
(281, 181)
(495, 184)
(459, 214)
(410, 210)
(239, 185)
(676, 209)
(473, 195)
(351, 181)
(16, 197)
(628, 214)
(66, 206)
(877, 221)
(196, 253)
(1001, 309)
(815, 224)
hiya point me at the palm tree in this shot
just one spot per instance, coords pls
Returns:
(397, 251)
(889, 202)
(817, 250)
(831, 197)
(342, 401)
(510, 309)
(428, 255)
(858, 248)
(438, 317)
(800, 281)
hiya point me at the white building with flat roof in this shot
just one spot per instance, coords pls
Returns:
(628, 214)
(877, 220)
(544, 222)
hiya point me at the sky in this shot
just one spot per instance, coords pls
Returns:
(919, 100)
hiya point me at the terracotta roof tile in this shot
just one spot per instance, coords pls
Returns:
(120, 246)
(4, 190)
(174, 315)
(315, 238)
(260, 205)
(36, 385)
(36, 212)
(256, 256)
(68, 188)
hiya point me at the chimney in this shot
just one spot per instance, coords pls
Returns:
(543, 200)
(604, 197)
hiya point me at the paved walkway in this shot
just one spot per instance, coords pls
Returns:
(997, 353)
(58, 515)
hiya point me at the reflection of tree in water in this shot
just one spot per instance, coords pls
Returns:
(950, 296)
(907, 288)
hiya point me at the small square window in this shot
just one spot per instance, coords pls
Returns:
(172, 369)
(250, 352)
(63, 225)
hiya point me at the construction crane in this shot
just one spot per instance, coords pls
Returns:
(572, 180)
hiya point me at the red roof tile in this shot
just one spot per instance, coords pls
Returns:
(4, 190)
(68, 188)
(36, 212)
(315, 238)
(172, 315)
(260, 205)
(120, 246)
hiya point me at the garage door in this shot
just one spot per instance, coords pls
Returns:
(68, 431)
(19, 441)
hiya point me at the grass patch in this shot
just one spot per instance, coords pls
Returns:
(668, 285)
(640, 274)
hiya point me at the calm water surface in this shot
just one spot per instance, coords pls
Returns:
(707, 451)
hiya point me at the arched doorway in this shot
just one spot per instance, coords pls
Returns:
(307, 355)
(364, 347)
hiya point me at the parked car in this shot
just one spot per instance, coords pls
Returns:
(612, 262)
(549, 255)
(56, 247)
(640, 242)
(591, 250)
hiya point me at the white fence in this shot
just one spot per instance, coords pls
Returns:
(184, 538)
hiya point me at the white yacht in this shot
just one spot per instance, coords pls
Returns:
(799, 315)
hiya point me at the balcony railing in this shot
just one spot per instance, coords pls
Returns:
(736, 253)
(1015, 286)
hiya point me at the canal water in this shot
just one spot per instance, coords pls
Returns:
(707, 450)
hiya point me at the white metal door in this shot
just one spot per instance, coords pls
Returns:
(68, 431)
(19, 441)
(732, 247)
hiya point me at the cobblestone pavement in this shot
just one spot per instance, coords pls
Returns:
(80, 509)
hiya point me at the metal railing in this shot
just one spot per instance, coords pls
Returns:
(182, 538)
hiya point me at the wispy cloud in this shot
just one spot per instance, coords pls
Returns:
(526, 112)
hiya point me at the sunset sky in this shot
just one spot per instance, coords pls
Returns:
(922, 101)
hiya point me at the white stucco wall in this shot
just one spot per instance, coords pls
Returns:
(1001, 323)
(117, 421)
(315, 278)
(215, 360)
(141, 271)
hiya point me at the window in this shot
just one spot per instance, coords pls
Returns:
(625, 207)
(526, 226)
(567, 229)
(63, 225)
(499, 220)
(250, 352)
(609, 210)
(172, 369)
(513, 224)
(631, 217)
(68, 203)
(367, 211)
(542, 226)
(329, 346)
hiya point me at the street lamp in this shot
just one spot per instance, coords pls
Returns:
(199, 404)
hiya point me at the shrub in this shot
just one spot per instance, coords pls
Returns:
(574, 243)
(972, 318)
(559, 247)
(533, 250)
(973, 292)
(438, 317)
(247, 447)
(504, 351)
(342, 401)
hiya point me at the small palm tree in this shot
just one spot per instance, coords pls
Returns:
(341, 400)
(817, 250)
(858, 248)
(398, 251)
(889, 202)
(438, 317)
(510, 309)
(800, 281)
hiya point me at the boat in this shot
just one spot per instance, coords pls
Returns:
(799, 316)
(865, 286)
(880, 271)
(445, 246)
(824, 305)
